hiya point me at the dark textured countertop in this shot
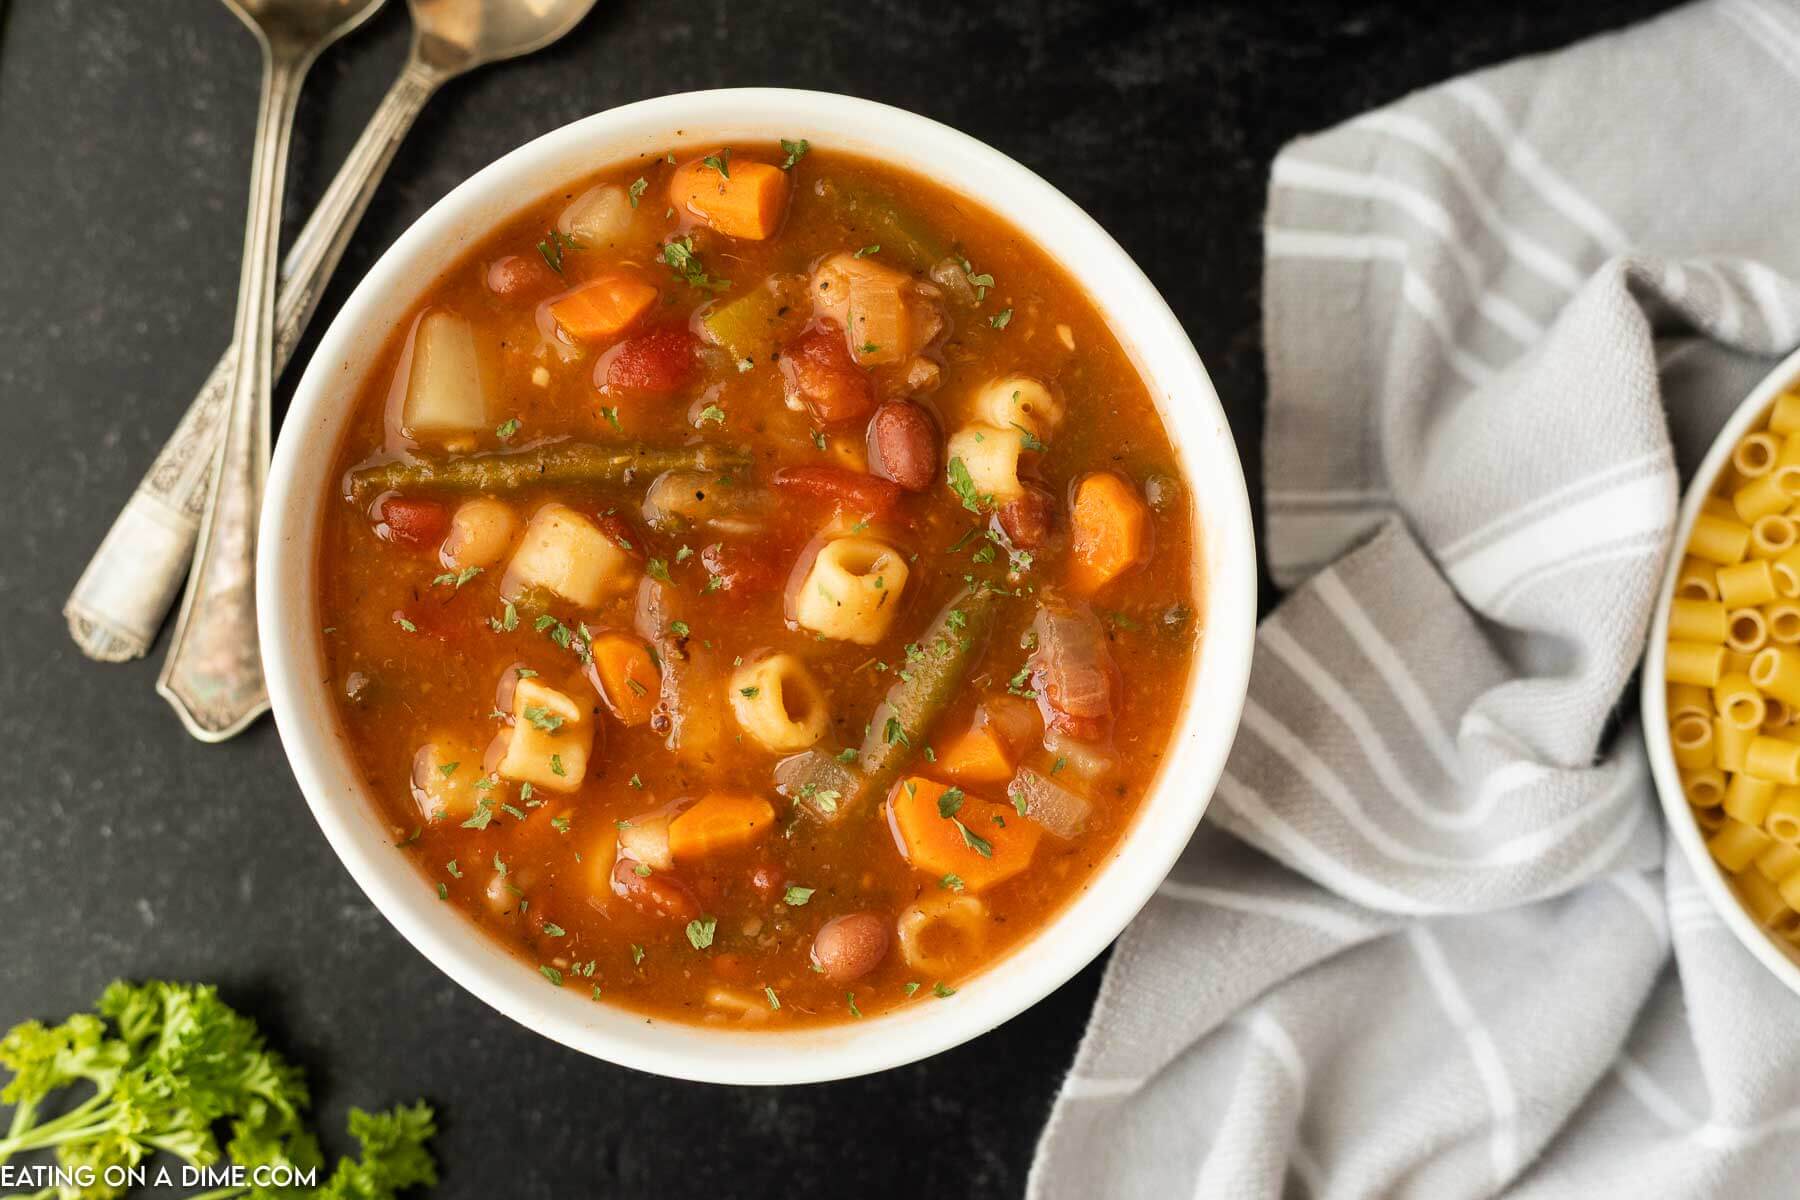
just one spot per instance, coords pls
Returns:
(130, 850)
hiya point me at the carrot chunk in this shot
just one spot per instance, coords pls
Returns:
(1111, 532)
(738, 199)
(944, 832)
(625, 676)
(975, 756)
(718, 821)
(604, 307)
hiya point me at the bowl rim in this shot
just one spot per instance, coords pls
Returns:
(1781, 960)
(1116, 889)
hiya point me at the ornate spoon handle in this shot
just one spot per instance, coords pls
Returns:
(131, 582)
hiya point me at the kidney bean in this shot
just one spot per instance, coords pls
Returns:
(518, 274)
(411, 522)
(903, 445)
(1028, 519)
(847, 948)
(820, 371)
(655, 894)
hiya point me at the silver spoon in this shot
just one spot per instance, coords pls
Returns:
(135, 575)
(213, 675)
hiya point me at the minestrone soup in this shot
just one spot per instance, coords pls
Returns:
(761, 589)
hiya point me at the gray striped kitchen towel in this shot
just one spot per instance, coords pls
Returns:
(1422, 945)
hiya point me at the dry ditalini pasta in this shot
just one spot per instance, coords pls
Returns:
(1733, 670)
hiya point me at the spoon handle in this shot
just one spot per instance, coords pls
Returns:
(129, 585)
(213, 674)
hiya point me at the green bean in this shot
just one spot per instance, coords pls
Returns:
(556, 463)
(935, 668)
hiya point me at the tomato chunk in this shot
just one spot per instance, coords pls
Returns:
(657, 362)
(820, 371)
(737, 569)
(412, 522)
(851, 489)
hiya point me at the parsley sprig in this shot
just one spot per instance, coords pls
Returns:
(170, 1064)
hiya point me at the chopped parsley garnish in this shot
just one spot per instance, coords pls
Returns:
(679, 254)
(912, 986)
(1057, 766)
(543, 718)
(506, 428)
(552, 247)
(774, 1001)
(611, 413)
(551, 929)
(795, 152)
(942, 992)
(1028, 439)
(456, 579)
(749, 693)
(796, 897)
(895, 732)
(556, 767)
(950, 803)
(846, 755)
(552, 974)
(963, 484)
(720, 162)
(1001, 319)
(818, 440)
(507, 623)
(867, 250)
(448, 769)
(850, 999)
(560, 824)
(638, 187)
(711, 412)
(484, 814)
(637, 954)
(700, 931)
(659, 571)
(972, 840)
(455, 871)
(952, 881)
(405, 624)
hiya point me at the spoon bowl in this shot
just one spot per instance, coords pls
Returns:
(456, 35)
(302, 28)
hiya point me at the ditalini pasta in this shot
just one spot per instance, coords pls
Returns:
(1733, 670)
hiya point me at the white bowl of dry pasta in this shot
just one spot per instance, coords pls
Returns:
(1721, 695)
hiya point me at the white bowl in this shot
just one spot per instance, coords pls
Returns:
(1774, 953)
(288, 615)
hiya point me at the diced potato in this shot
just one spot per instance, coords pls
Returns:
(1019, 401)
(598, 217)
(481, 532)
(446, 389)
(778, 703)
(565, 553)
(444, 776)
(552, 737)
(990, 454)
(645, 839)
(852, 591)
